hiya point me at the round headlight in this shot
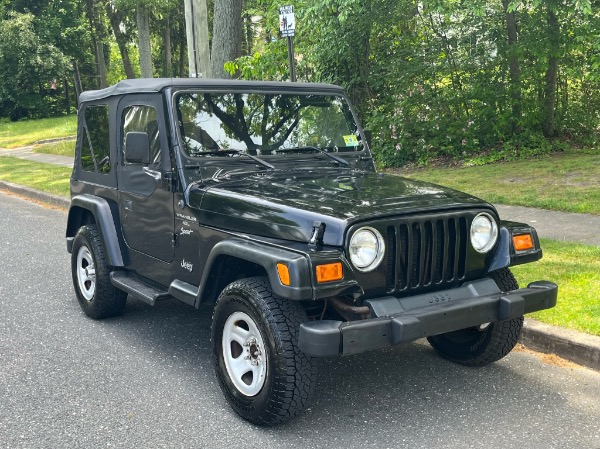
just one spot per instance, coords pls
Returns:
(484, 233)
(366, 249)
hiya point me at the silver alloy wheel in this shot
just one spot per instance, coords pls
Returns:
(244, 354)
(86, 273)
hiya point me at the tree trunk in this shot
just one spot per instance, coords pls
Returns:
(116, 19)
(97, 36)
(549, 119)
(248, 35)
(514, 68)
(101, 64)
(227, 35)
(196, 27)
(181, 54)
(360, 91)
(143, 22)
(181, 39)
(76, 82)
(167, 69)
(67, 99)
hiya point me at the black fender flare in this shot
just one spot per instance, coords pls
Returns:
(268, 257)
(103, 217)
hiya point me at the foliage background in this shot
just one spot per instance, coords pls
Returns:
(433, 79)
(474, 81)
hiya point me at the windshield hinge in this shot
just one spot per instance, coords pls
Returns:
(317, 234)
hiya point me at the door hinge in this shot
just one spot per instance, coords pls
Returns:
(169, 182)
(175, 240)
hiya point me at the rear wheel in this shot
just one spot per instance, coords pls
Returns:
(485, 344)
(263, 374)
(97, 297)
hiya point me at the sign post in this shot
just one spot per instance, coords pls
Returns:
(287, 26)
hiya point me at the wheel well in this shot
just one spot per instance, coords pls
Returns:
(78, 217)
(224, 271)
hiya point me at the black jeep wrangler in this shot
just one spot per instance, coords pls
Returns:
(261, 200)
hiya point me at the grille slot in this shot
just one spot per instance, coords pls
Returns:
(426, 253)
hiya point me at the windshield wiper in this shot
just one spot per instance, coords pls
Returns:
(228, 152)
(307, 148)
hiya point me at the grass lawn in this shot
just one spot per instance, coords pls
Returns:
(62, 148)
(48, 178)
(27, 132)
(576, 270)
(567, 181)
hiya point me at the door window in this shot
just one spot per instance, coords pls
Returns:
(142, 118)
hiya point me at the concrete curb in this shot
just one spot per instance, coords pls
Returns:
(568, 344)
(55, 139)
(574, 346)
(36, 195)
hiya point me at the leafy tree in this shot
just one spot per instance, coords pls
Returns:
(118, 21)
(95, 17)
(29, 69)
(477, 81)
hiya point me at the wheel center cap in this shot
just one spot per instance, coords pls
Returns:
(253, 350)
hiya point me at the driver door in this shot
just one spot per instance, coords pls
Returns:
(145, 201)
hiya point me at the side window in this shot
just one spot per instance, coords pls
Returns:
(95, 148)
(142, 118)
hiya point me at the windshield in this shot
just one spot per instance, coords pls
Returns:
(264, 124)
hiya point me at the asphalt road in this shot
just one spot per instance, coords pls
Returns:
(145, 380)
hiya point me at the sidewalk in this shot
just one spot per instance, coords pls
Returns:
(575, 346)
(27, 153)
(562, 226)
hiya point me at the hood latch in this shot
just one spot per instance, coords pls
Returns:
(318, 231)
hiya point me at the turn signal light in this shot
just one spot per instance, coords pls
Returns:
(330, 272)
(284, 273)
(522, 242)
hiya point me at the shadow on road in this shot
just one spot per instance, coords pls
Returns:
(407, 388)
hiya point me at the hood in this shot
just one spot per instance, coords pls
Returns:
(286, 205)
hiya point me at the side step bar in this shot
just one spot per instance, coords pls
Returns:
(137, 288)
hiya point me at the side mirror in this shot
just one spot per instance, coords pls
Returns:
(137, 148)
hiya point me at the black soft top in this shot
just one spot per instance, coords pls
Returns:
(146, 85)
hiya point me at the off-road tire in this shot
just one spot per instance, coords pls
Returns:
(480, 347)
(290, 375)
(98, 298)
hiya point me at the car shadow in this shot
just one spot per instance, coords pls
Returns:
(407, 388)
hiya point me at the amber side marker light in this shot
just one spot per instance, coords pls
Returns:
(522, 242)
(329, 272)
(284, 273)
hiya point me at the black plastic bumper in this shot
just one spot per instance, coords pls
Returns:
(399, 320)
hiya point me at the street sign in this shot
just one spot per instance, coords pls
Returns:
(287, 21)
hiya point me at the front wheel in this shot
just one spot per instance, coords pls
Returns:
(482, 345)
(263, 374)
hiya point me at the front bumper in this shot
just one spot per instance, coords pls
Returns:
(399, 320)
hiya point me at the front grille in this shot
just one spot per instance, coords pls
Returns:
(426, 253)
